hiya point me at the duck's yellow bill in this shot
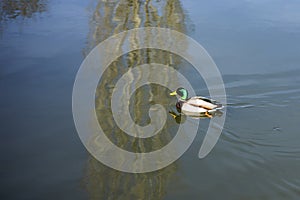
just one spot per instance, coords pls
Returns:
(173, 93)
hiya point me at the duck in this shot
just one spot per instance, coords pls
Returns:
(195, 106)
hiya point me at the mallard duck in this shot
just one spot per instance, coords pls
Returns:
(195, 106)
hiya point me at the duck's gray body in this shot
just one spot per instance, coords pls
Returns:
(198, 105)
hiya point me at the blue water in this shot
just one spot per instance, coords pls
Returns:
(255, 45)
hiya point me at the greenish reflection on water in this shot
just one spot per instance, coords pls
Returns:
(107, 19)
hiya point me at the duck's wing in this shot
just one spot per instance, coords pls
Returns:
(190, 109)
(203, 102)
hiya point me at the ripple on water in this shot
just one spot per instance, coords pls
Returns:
(261, 133)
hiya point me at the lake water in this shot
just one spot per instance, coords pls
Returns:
(256, 46)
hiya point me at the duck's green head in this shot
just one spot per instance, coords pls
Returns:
(181, 92)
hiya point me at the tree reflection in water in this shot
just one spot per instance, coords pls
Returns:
(109, 18)
(19, 10)
(11, 9)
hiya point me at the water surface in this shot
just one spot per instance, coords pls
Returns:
(255, 44)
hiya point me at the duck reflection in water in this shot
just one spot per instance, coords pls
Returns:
(180, 118)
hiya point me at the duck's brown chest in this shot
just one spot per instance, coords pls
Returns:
(179, 106)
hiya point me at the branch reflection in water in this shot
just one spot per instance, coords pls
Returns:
(19, 10)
